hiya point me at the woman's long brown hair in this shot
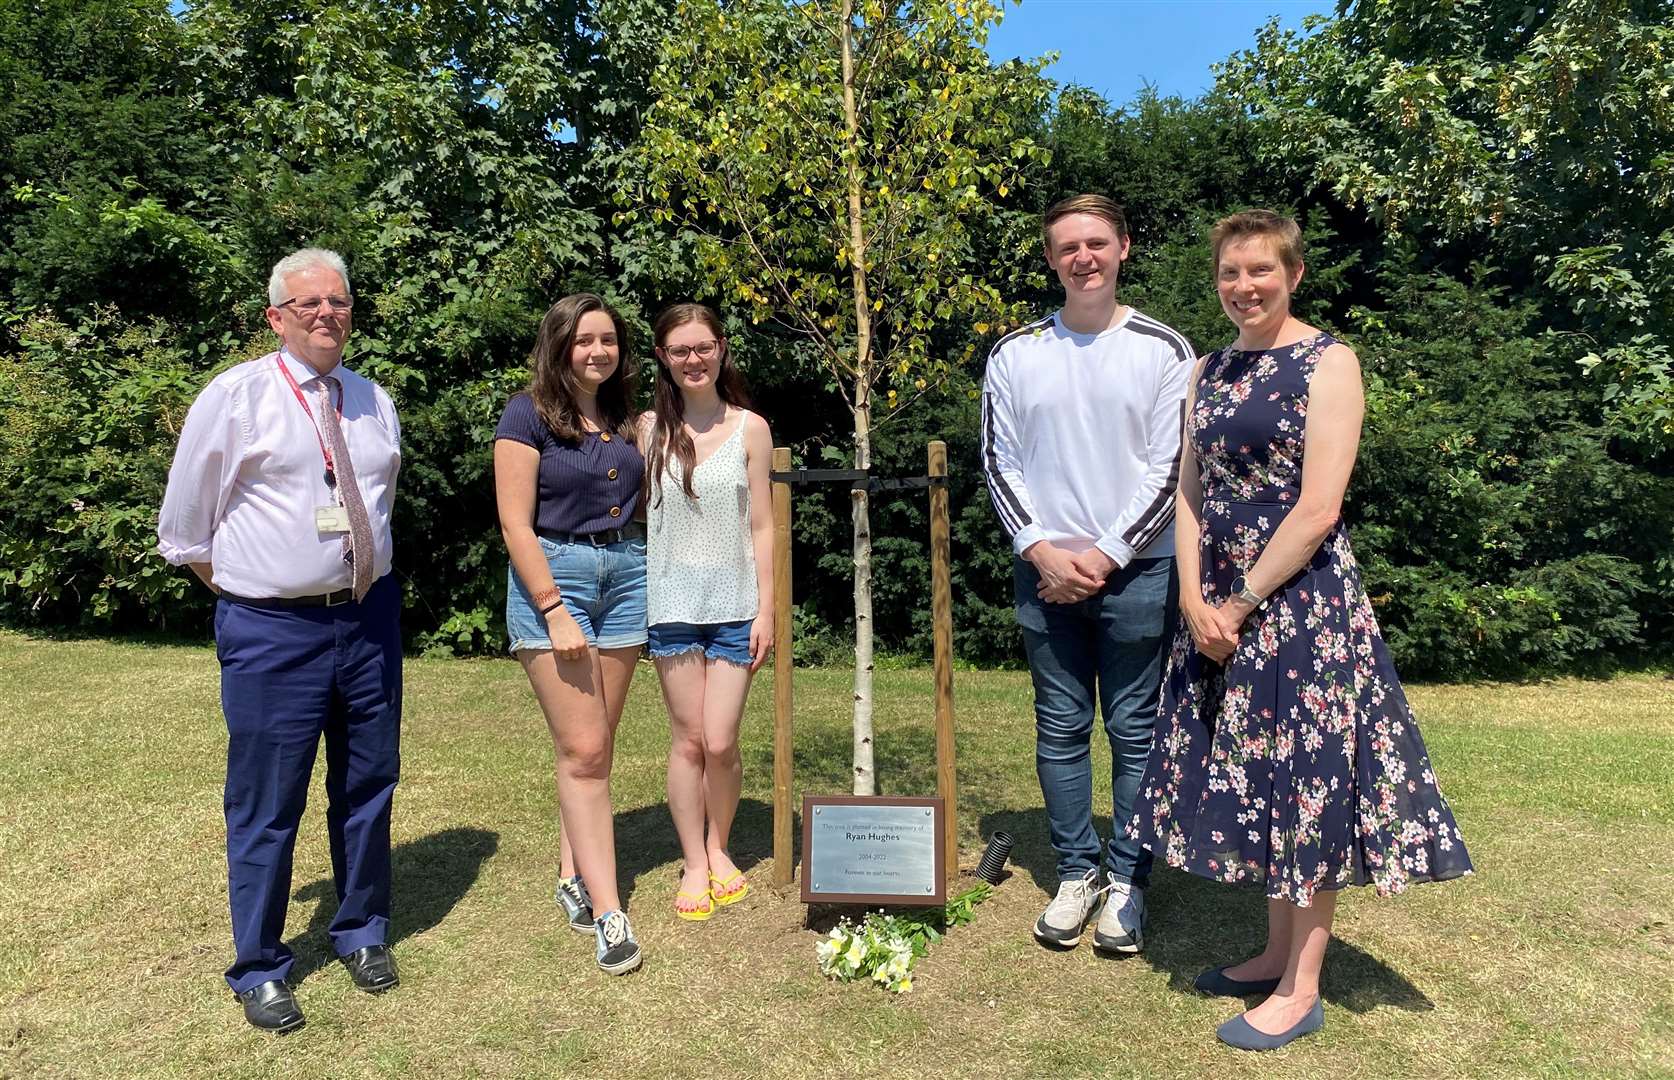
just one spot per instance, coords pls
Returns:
(668, 436)
(552, 380)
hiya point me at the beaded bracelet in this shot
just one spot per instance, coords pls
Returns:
(545, 600)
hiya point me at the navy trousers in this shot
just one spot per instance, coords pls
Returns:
(288, 677)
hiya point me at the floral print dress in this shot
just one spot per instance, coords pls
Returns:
(1297, 764)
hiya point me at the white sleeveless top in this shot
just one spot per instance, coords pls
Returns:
(700, 564)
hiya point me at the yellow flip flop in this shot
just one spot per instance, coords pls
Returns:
(732, 897)
(696, 914)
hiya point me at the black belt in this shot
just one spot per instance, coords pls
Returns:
(331, 599)
(631, 531)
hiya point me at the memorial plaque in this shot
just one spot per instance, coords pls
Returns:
(872, 850)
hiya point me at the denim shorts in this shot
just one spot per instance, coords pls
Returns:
(729, 641)
(603, 588)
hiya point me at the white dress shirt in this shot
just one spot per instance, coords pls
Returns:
(248, 475)
(1081, 435)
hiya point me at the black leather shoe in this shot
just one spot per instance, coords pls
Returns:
(272, 1007)
(373, 968)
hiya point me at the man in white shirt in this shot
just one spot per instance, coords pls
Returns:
(279, 501)
(1082, 416)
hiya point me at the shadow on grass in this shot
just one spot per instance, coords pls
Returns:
(432, 874)
(429, 876)
(645, 840)
(1193, 924)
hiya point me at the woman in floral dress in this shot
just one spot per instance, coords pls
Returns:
(1285, 752)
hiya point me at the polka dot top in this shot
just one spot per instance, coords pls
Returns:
(700, 564)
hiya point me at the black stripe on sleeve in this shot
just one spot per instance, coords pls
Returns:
(1144, 324)
(1006, 503)
(1007, 506)
(1156, 530)
(1157, 515)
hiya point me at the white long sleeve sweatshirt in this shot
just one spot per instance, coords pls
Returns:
(1081, 435)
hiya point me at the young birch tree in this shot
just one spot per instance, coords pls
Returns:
(838, 166)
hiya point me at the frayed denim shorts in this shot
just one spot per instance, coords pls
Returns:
(729, 641)
(603, 588)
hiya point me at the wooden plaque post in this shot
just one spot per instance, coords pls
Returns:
(782, 861)
(941, 623)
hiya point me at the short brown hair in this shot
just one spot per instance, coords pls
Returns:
(1278, 228)
(1097, 205)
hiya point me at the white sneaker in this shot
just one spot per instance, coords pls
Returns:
(1061, 924)
(1121, 927)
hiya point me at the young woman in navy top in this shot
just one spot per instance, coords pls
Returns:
(567, 477)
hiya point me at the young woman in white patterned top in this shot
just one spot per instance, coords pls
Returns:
(709, 577)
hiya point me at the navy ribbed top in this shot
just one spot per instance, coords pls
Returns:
(583, 486)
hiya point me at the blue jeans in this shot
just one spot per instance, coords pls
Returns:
(1107, 650)
(729, 641)
(603, 588)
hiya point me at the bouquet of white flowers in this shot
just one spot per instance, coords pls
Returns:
(870, 949)
(885, 947)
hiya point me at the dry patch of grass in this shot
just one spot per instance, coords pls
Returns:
(1551, 960)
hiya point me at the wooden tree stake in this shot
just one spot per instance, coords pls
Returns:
(782, 859)
(941, 623)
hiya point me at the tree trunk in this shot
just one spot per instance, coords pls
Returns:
(865, 780)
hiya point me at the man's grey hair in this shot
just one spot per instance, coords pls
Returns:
(296, 262)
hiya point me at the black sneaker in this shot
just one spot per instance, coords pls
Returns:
(572, 893)
(617, 951)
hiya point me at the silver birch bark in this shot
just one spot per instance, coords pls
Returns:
(865, 779)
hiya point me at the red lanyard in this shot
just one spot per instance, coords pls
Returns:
(331, 470)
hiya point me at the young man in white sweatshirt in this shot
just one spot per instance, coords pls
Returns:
(1081, 425)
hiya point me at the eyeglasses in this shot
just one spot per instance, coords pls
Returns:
(704, 349)
(313, 305)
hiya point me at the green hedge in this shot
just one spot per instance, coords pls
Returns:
(152, 167)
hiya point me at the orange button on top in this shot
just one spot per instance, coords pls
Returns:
(611, 475)
(605, 435)
(616, 511)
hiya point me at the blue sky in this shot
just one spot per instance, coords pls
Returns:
(1116, 47)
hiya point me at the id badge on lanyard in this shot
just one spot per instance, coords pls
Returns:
(333, 518)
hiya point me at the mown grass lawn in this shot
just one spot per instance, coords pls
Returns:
(1553, 960)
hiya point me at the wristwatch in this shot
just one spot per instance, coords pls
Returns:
(1241, 591)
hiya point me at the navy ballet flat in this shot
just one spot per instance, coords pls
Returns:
(1215, 983)
(1238, 1033)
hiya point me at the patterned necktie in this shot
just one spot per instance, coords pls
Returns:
(357, 544)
